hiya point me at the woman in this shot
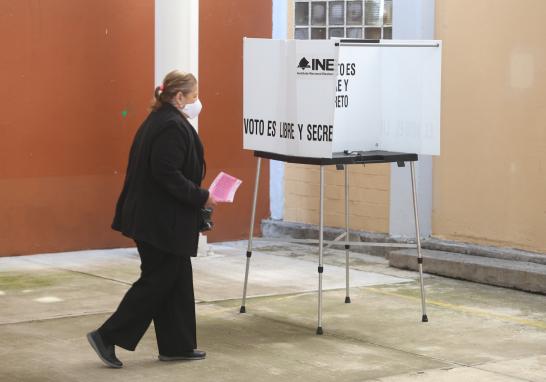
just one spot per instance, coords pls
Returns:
(159, 207)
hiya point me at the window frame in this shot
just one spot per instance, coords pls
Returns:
(307, 31)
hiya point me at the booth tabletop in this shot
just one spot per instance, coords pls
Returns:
(353, 157)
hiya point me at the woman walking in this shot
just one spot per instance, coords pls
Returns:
(159, 208)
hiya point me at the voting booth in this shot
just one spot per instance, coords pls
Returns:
(341, 102)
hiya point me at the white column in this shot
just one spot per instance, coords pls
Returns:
(412, 19)
(276, 168)
(177, 47)
(176, 38)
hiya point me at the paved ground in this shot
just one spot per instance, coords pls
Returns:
(475, 333)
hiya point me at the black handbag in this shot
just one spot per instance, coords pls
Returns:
(206, 223)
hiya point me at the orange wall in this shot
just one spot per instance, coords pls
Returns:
(490, 180)
(222, 26)
(69, 69)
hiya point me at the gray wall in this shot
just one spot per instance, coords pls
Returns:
(412, 19)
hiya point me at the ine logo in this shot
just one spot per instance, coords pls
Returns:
(317, 66)
(304, 64)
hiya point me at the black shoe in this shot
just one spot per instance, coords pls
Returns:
(189, 356)
(106, 352)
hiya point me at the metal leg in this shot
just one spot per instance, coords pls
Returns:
(418, 239)
(321, 239)
(251, 233)
(347, 246)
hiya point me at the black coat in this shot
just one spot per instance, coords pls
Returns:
(161, 199)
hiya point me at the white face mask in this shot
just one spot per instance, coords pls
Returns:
(192, 110)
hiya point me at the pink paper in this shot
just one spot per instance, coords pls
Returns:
(223, 187)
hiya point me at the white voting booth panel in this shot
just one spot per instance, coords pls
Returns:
(314, 98)
(279, 103)
(341, 102)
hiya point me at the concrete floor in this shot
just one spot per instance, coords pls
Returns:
(476, 332)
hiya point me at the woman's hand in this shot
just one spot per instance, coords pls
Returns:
(211, 202)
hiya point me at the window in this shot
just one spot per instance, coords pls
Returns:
(370, 19)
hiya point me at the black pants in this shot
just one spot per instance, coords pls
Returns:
(164, 294)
